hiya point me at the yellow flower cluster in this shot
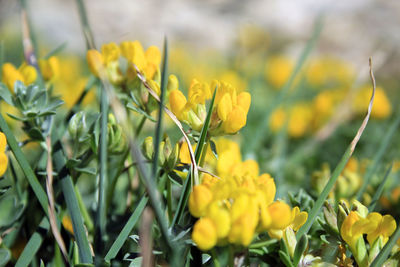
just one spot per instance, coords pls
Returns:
(239, 203)
(378, 229)
(230, 107)
(106, 64)
(3, 156)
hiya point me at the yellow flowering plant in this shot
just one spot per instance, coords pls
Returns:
(193, 176)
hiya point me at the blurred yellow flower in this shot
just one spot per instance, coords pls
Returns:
(3, 156)
(25, 73)
(278, 70)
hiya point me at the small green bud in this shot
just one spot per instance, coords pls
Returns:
(194, 121)
(77, 125)
(330, 216)
(148, 148)
(161, 156)
(360, 208)
(290, 239)
(116, 138)
(341, 216)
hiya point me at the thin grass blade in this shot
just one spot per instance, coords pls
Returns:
(339, 168)
(157, 137)
(33, 245)
(124, 234)
(379, 191)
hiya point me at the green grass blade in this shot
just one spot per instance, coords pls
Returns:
(24, 164)
(379, 191)
(260, 132)
(378, 156)
(55, 51)
(87, 32)
(154, 195)
(339, 168)
(124, 234)
(157, 137)
(384, 253)
(188, 184)
(67, 188)
(101, 201)
(33, 245)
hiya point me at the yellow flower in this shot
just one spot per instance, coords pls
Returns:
(67, 224)
(49, 68)
(110, 53)
(298, 218)
(299, 120)
(277, 120)
(386, 226)
(199, 200)
(204, 234)
(278, 70)
(3, 156)
(353, 227)
(26, 74)
(95, 62)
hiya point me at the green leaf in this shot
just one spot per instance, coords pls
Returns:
(124, 234)
(299, 250)
(5, 256)
(33, 245)
(67, 188)
(6, 94)
(285, 259)
(142, 112)
(10, 210)
(26, 168)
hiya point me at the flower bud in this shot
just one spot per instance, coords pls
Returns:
(77, 125)
(148, 147)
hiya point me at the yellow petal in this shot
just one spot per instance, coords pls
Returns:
(10, 75)
(3, 163)
(204, 234)
(235, 120)
(244, 100)
(29, 73)
(95, 62)
(281, 215)
(110, 52)
(177, 102)
(199, 200)
(224, 107)
(3, 142)
(153, 55)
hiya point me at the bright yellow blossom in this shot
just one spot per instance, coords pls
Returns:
(49, 68)
(25, 73)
